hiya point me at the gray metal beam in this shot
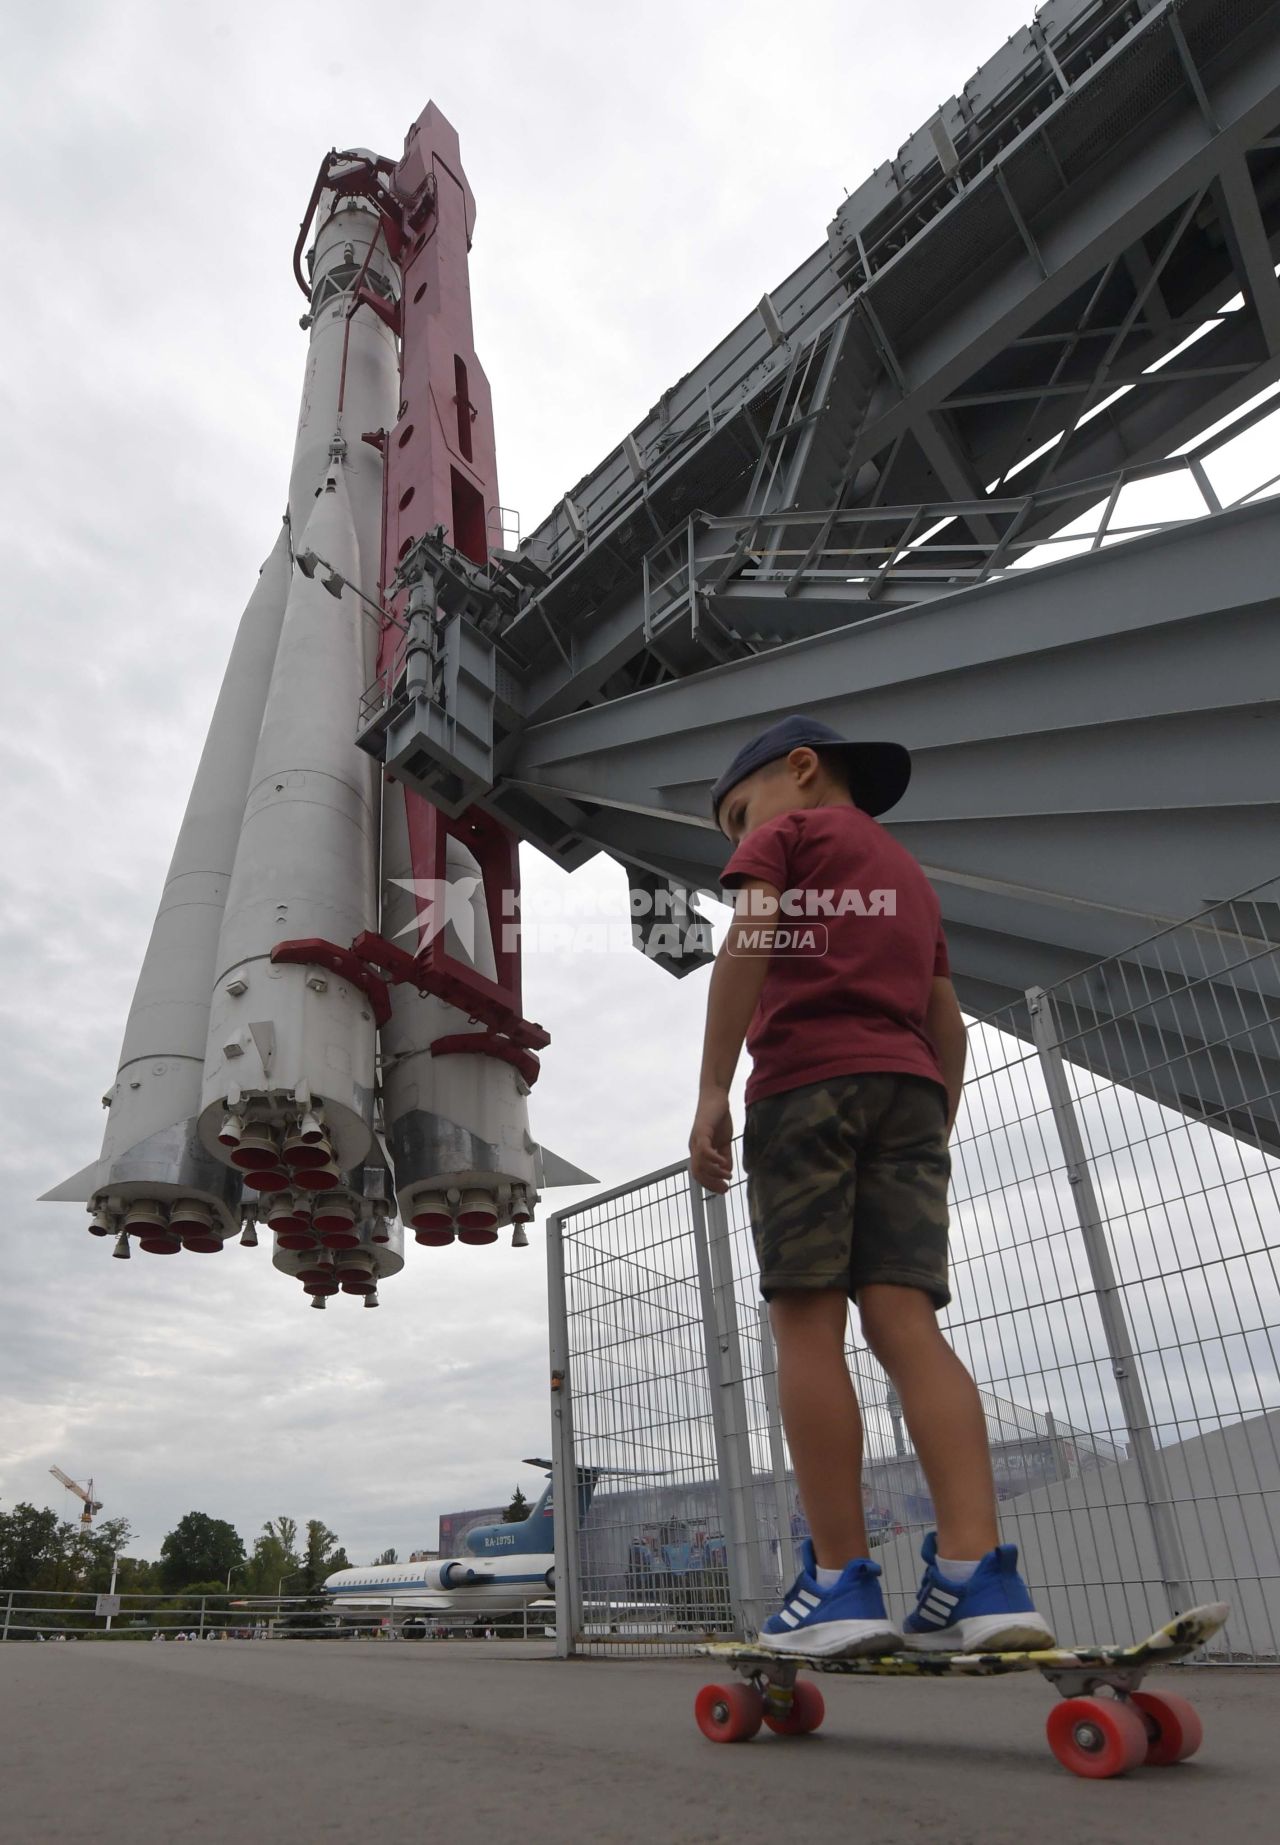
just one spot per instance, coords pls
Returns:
(907, 200)
(1105, 215)
(1151, 1019)
(952, 467)
(1250, 247)
(1052, 937)
(1128, 199)
(1166, 863)
(657, 751)
(1095, 742)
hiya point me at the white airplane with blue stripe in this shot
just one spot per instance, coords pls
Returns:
(506, 1566)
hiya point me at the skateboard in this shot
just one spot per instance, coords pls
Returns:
(1091, 1735)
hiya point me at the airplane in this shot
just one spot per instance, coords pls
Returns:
(507, 1567)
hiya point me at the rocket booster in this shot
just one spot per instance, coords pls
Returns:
(269, 1071)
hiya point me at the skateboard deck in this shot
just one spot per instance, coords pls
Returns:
(1092, 1736)
(1173, 1641)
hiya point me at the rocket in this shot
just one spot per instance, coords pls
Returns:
(326, 1036)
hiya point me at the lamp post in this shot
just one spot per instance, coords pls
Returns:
(279, 1587)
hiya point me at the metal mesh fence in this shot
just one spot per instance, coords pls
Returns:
(1115, 1295)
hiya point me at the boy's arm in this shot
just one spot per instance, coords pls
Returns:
(736, 980)
(945, 1028)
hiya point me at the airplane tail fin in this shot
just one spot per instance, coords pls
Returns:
(545, 1508)
(587, 1478)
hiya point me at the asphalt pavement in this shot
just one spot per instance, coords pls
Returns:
(378, 1743)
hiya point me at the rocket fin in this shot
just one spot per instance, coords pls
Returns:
(78, 1189)
(554, 1169)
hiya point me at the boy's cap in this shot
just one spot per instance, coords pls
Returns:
(877, 773)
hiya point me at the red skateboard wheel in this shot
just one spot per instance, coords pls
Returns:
(1096, 1737)
(1174, 1730)
(808, 1708)
(733, 1713)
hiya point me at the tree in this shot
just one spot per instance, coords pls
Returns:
(29, 1543)
(135, 1576)
(320, 1557)
(285, 1532)
(275, 1557)
(388, 1556)
(517, 1511)
(199, 1549)
(64, 1560)
(98, 1550)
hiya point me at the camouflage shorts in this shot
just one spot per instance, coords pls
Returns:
(847, 1183)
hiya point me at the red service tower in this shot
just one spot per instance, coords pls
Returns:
(327, 1034)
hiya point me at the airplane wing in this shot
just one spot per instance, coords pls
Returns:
(413, 1599)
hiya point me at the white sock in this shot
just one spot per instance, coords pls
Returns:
(954, 1571)
(827, 1579)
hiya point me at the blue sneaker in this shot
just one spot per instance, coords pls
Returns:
(991, 1613)
(839, 1622)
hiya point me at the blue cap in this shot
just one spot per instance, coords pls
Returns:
(877, 773)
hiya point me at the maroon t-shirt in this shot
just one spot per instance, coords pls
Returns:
(848, 990)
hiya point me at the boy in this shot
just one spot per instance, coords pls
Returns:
(858, 1052)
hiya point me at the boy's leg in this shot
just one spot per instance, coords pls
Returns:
(987, 1605)
(801, 1164)
(899, 1278)
(821, 1419)
(943, 1411)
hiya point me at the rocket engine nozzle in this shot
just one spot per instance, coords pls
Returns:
(150, 1224)
(336, 1223)
(192, 1221)
(231, 1132)
(303, 1154)
(254, 1149)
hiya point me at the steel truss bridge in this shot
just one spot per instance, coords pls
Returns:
(897, 496)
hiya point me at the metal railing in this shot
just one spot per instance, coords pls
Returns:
(1115, 1261)
(84, 1614)
(867, 551)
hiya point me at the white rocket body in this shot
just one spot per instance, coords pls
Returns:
(457, 1125)
(305, 868)
(249, 1078)
(151, 1150)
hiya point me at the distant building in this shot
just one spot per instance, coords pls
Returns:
(658, 1537)
(454, 1526)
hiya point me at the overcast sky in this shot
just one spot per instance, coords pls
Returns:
(642, 176)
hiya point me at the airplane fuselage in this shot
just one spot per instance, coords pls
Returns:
(497, 1582)
(506, 1566)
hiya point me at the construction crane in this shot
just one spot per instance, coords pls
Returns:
(91, 1505)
